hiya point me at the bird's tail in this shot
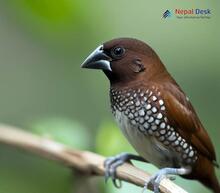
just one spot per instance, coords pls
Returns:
(207, 176)
(211, 182)
(204, 171)
(216, 186)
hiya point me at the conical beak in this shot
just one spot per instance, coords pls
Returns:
(97, 60)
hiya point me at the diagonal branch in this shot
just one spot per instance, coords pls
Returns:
(84, 161)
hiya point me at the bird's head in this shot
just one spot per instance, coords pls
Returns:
(125, 60)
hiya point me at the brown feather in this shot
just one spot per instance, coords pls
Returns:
(185, 120)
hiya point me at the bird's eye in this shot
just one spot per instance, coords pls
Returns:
(118, 52)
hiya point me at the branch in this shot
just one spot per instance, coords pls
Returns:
(84, 161)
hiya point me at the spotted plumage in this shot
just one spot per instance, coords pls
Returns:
(147, 113)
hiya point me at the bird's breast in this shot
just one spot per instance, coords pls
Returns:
(142, 119)
(145, 145)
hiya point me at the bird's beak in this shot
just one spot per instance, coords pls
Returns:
(97, 60)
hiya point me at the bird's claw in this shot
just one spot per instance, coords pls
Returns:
(109, 171)
(172, 178)
(111, 165)
(155, 180)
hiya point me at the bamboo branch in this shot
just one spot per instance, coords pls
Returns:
(84, 161)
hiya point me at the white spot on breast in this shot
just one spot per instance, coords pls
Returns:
(157, 121)
(131, 116)
(141, 120)
(141, 128)
(161, 102)
(162, 125)
(154, 98)
(154, 109)
(141, 112)
(149, 112)
(133, 122)
(146, 125)
(176, 142)
(191, 153)
(187, 150)
(165, 119)
(172, 137)
(162, 108)
(150, 120)
(137, 103)
(185, 145)
(131, 103)
(146, 117)
(154, 127)
(159, 116)
(148, 106)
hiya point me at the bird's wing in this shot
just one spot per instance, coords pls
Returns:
(184, 119)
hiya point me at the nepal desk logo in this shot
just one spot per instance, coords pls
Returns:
(166, 14)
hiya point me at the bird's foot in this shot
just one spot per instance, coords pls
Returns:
(155, 180)
(164, 173)
(112, 163)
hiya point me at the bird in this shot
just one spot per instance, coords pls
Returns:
(154, 114)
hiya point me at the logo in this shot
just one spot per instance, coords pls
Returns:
(166, 14)
(190, 13)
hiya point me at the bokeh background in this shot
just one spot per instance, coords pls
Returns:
(43, 89)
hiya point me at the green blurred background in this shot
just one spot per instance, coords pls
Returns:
(43, 89)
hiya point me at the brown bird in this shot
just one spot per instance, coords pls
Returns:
(154, 114)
